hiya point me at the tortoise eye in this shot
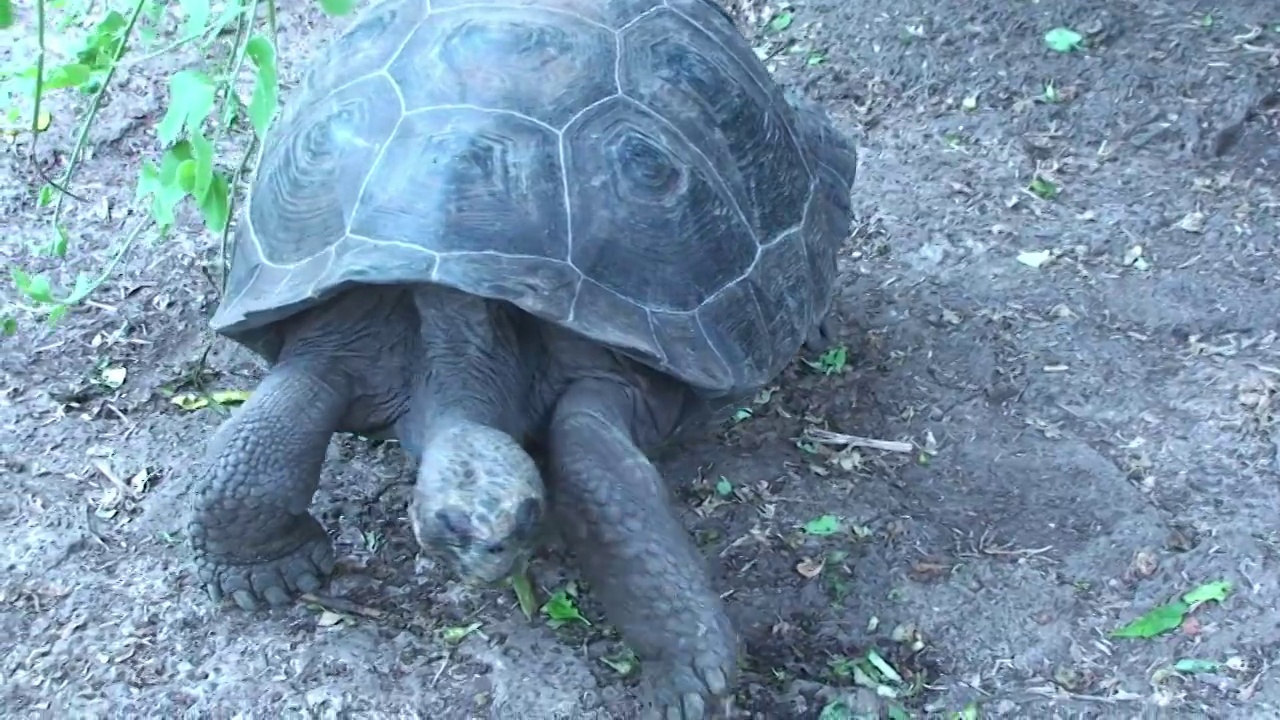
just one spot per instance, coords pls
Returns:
(527, 517)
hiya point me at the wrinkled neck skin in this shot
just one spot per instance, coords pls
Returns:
(472, 369)
(485, 362)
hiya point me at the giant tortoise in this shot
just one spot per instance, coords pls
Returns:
(508, 229)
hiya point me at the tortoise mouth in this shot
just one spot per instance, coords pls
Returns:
(485, 569)
(476, 557)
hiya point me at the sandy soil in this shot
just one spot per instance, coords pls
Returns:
(1090, 438)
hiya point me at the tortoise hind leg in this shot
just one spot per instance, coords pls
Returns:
(637, 557)
(250, 532)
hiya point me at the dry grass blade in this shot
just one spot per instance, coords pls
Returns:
(338, 605)
(827, 437)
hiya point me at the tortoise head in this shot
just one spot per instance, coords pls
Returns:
(478, 502)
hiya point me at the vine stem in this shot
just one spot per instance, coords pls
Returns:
(40, 50)
(271, 23)
(121, 252)
(83, 137)
(39, 91)
(243, 35)
(255, 144)
(240, 51)
(213, 30)
(225, 242)
(169, 48)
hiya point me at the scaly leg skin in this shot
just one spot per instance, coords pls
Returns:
(250, 532)
(615, 510)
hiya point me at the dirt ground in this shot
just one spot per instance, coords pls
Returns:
(1090, 437)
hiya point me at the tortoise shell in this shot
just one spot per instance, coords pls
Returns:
(627, 169)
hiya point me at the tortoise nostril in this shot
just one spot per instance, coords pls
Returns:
(455, 524)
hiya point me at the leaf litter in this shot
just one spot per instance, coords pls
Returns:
(1170, 616)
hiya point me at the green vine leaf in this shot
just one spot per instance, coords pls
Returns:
(197, 12)
(6, 21)
(58, 244)
(162, 185)
(37, 288)
(216, 207)
(1063, 40)
(337, 7)
(101, 45)
(67, 76)
(84, 286)
(232, 11)
(191, 96)
(202, 156)
(262, 107)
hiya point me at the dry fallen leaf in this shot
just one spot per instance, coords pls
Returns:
(1192, 222)
(192, 401)
(1145, 564)
(1190, 626)
(328, 618)
(109, 504)
(1035, 258)
(928, 570)
(138, 483)
(1134, 256)
(114, 377)
(810, 568)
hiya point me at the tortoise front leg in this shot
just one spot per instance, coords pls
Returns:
(250, 531)
(638, 558)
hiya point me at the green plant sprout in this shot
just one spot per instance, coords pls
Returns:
(204, 107)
